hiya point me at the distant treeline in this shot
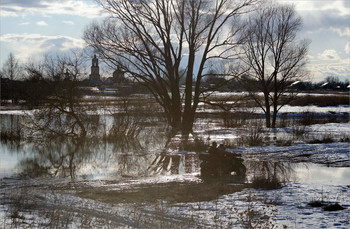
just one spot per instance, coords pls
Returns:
(33, 92)
(330, 83)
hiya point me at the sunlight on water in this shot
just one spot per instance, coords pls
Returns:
(319, 174)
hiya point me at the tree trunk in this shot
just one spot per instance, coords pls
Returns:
(176, 108)
(187, 124)
(274, 116)
(187, 119)
(275, 101)
(267, 111)
(175, 116)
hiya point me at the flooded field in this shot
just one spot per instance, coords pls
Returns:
(153, 180)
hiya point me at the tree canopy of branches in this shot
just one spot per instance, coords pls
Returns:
(62, 112)
(154, 40)
(274, 56)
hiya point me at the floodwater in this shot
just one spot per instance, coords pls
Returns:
(320, 174)
(151, 154)
(119, 161)
(140, 170)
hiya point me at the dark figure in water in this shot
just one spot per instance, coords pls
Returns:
(218, 162)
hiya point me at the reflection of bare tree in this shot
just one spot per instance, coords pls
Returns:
(69, 157)
(64, 114)
(130, 156)
(270, 171)
(11, 131)
(57, 157)
(126, 123)
(165, 163)
(191, 163)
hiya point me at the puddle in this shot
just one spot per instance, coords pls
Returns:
(319, 174)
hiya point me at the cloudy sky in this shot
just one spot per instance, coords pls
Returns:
(30, 28)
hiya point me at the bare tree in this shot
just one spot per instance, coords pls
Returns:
(63, 112)
(274, 55)
(12, 70)
(153, 40)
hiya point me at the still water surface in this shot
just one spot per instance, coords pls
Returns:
(106, 163)
(150, 155)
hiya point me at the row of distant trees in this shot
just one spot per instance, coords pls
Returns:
(169, 44)
(228, 85)
(36, 81)
(50, 67)
(34, 87)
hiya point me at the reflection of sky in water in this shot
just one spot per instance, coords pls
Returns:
(319, 174)
(108, 165)
(8, 161)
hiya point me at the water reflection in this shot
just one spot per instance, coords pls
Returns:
(59, 157)
(83, 158)
(10, 133)
(269, 174)
(119, 156)
(170, 164)
(104, 152)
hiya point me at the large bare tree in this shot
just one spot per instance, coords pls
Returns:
(274, 56)
(155, 40)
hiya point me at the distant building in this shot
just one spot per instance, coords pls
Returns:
(95, 70)
(118, 76)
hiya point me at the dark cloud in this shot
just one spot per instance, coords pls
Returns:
(28, 3)
(21, 6)
(84, 8)
(315, 20)
(9, 9)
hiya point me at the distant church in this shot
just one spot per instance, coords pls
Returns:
(117, 80)
(95, 70)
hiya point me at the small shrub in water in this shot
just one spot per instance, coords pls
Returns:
(267, 184)
(255, 135)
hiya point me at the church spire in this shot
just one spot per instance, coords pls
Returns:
(95, 69)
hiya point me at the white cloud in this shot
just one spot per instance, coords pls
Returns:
(84, 8)
(342, 31)
(329, 54)
(41, 23)
(68, 22)
(329, 63)
(34, 46)
(347, 48)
